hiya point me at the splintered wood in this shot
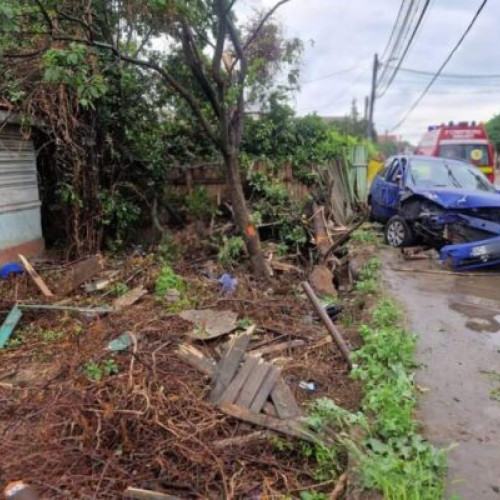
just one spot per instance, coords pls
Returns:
(246, 387)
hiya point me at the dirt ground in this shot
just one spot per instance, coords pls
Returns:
(457, 320)
(148, 425)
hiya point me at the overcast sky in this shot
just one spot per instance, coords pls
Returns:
(346, 34)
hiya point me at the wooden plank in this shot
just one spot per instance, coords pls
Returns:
(197, 359)
(289, 427)
(9, 325)
(130, 298)
(35, 277)
(233, 389)
(82, 271)
(140, 494)
(252, 385)
(284, 401)
(229, 365)
(265, 389)
(282, 346)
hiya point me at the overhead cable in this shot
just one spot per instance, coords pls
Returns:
(443, 65)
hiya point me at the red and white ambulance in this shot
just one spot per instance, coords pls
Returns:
(462, 141)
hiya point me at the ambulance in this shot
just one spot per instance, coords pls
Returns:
(462, 141)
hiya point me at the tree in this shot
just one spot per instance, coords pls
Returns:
(493, 129)
(203, 33)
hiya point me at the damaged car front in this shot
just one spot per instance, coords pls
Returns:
(446, 204)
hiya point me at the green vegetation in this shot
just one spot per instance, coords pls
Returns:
(368, 277)
(199, 206)
(366, 236)
(96, 371)
(119, 289)
(231, 251)
(168, 280)
(383, 437)
(244, 323)
(493, 129)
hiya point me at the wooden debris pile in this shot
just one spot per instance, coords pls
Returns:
(246, 387)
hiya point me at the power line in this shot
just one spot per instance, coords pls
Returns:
(407, 48)
(446, 75)
(339, 98)
(340, 72)
(393, 31)
(407, 19)
(443, 65)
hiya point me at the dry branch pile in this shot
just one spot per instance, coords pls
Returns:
(148, 425)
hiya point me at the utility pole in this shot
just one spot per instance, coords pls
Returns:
(371, 104)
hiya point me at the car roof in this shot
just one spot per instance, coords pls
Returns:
(410, 158)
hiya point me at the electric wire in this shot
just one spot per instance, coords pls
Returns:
(406, 49)
(443, 65)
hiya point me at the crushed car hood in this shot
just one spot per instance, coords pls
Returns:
(459, 198)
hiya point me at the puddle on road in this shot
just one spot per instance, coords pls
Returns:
(478, 300)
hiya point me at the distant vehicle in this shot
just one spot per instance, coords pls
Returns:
(447, 204)
(462, 141)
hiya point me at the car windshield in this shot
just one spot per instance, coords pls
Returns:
(447, 173)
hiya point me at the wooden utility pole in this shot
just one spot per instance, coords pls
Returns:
(371, 104)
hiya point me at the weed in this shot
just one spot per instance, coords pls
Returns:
(368, 277)
(365, 236)
(328, 300)
(181, 305)
(327, 460)
(48, 336)
(96, 371)
(168, 280)
(370, 269)
(394, 459)
(312, 495)
(367, 286)
(168, 250)
(15, 342)
(119, 289)
(244, 323)
(231, 251)
(282, 249)
(282, 444)
(198, 204)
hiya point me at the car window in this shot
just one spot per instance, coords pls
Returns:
(476, 153)
(396, 170)
(448, 174)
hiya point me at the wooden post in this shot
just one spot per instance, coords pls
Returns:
(335, 333)
(35, 276)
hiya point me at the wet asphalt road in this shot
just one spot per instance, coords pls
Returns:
(457, 320)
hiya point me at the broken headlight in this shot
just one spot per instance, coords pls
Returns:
(479, 251)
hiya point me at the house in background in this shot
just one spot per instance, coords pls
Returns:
(20, 217)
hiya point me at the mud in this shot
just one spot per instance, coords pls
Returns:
(457, 320)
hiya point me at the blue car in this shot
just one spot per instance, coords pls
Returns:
(444, 203)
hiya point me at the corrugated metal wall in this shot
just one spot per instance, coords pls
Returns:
(20, 219)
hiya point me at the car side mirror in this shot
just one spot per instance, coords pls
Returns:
(398, 179)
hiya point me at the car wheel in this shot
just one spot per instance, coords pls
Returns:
(398, 233)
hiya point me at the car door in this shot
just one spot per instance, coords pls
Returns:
(392, 188)
(382, 191)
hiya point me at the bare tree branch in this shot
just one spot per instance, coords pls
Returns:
(221, 38)
(195, 62)
(143, 43)
(263, 21)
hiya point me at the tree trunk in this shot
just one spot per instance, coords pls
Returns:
(242, 217)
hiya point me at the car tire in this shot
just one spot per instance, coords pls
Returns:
(398, 233)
